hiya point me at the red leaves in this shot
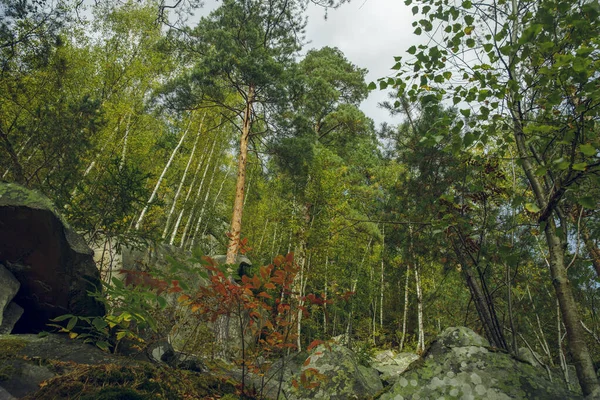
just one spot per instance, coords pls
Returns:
(314, 344)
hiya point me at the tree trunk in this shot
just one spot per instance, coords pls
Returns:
(185, 201)
(238, 205)
(381, 280)
(214, 204)
(206, 196)
(421, 335)
(162, 175)
(125, 140)
(405, 315)
(581, 356)
(198, 193)
(187, 167)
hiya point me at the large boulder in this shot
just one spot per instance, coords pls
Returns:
(53, 264)
(460, 364)
(333, 372)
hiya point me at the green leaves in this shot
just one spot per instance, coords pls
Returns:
(588, 150)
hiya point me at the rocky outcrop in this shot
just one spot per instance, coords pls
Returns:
(52, 263)
(461, 364)
(333, 372)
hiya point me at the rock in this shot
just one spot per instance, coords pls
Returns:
(529, 357)
(21, 366)
(461, 365)
(9, 286)
(11, 315)
(242, 262)
(4, 395)
(335, 373)
(161, 352)
(52, 263)
(55, 367)
(390, 365)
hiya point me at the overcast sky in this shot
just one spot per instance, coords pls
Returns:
(369, 32)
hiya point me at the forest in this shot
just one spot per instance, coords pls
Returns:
(226, 135)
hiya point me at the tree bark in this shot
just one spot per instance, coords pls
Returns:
(421, 334)
(405, 315)
(238, 205)
(185, 201)
(562, 286)
(178, 192)
(162, 175)
(192, 238)
(198, 193)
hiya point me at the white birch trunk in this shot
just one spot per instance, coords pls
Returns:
(207, 195)
(404, 317)
(218, 196)
(198, 193)
(325, 296)
(187, 196)
(353, 289)
(125, 139)
(421, 335)
(187, 167)
(162, 175)
(381, 280)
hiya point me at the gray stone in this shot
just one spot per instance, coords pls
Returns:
(390, 365)
(22, 356)
(336, 374)
(460, 365)
(4, 395)
(53, 264)
(9, 286)
(529, 357)
(11, 315)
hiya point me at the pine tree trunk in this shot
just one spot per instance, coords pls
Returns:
(238, 205)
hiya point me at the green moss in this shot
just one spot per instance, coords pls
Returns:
(11, 347)
(142, 381)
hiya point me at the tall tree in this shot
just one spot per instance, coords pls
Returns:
(533, 86)
(244, 50)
